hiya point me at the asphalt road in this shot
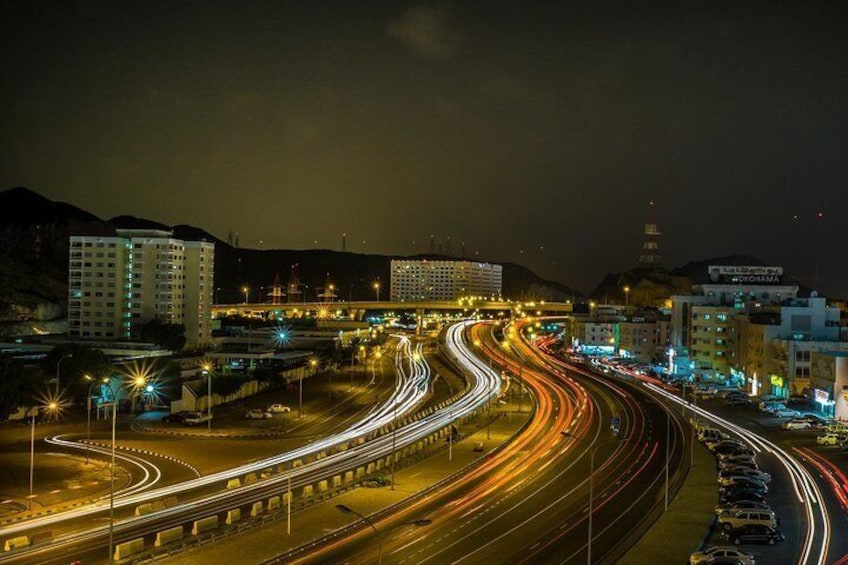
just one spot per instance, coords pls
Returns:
(529, 503)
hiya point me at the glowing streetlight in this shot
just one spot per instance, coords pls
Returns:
(376, 287)
(626, 296)
(246, 291)
(207, 372)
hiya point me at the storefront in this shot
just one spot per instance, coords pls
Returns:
(778, 386)
(824, 402)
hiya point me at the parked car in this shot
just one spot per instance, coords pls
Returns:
(736, 401)
(728, 522)
(743, 504)
(713, 445)
(727, 451)
(728, 466)
(815, 421)
(176, 417)
(798, 399)
(829, 439)
(741, 481)
(257, 414)
(753, 533)
(796, 424)
(278, 409)
(747, 459)
(711, 434)
(770, 407)
(732, 493)
(786, 413)
(196, 418)
(710, 554)
(744, 472)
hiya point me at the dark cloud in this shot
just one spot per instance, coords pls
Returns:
(427, 31)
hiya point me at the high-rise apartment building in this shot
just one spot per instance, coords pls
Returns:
(444, 280)
(117, 284)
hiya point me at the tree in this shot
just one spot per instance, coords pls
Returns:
(168, 336)
(82, 361)
(15, 387)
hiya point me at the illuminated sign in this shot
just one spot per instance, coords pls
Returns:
(745, 274)
(777, 381)
(821, 396)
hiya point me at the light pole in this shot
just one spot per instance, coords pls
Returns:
(59, 362)
(207, 372)
(246, 291)
(53, 408)
(93, 382)
(108, 383)
(592, 452)
(348, 510)
(626, 296)
(376, 286)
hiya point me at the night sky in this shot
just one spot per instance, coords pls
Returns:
(534, 133)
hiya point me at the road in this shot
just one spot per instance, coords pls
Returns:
(528, 503)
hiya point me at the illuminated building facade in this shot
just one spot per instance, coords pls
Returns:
(444, 280)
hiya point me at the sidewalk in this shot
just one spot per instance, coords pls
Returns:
(683, 529)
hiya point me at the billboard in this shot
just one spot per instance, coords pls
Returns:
(745, 274)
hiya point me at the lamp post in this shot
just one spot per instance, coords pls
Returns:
(626, 296)
(52, 408)
(348, 510)
(207, 372)
(592, 452)
(93, 382)
(59, 362)
(376, 287)
(107, 382)
(246, 291)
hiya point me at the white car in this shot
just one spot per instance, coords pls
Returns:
(786, 413)
(726, 475)
(796, 424)
(257, 414)
(715, 552)
(828, 439)
(278, 409)
(745, 459)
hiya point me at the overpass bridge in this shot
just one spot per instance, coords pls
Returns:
(356, 310)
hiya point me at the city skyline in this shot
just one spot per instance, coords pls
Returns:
(535, 135)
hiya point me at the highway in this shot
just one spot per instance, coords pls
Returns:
(411, 387)
(528, 501)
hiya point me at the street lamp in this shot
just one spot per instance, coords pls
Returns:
(376, 287)
(246, 291)
(591, 485)
(626, 296)
(207, 372)
(53, 408)
(348, 510)
(93, 382)
(108, 384)
(59, 362)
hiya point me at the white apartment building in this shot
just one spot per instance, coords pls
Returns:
(116, 284)
(444, 280)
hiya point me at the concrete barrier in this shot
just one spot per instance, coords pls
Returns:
(322, 486)
(348, 477)
(204, 525)
(337, 481)
(286, 497)
(273, 503)
(170, 501)
(233, 516)
(360, 472)
(308, 491)
(157, 505)
(250, 478)
(45, 536)
(233, 483)
(168, 536)
(379, 465)
(124, 550)
(265, 473)
(143, 509)
(297, 463)
(321, 455)
(256, 509)
(16, 543)
(369, 469)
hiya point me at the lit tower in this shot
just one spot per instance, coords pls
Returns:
(650, 256)
(294, 285)
(277, 293)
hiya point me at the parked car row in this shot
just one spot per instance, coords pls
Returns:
(267, 413)
(743, 515)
